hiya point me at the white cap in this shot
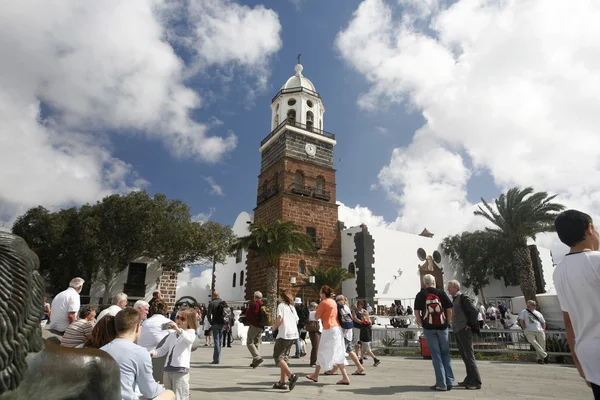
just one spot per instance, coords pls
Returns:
(297, 300)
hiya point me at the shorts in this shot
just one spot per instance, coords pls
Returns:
(282, 348)
(208, 332)
(349, 345)
(366, 347)
(355, 336)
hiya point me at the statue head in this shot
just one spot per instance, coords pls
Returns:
(21, 301)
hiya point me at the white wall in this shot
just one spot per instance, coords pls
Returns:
(398, 250)
(153, 272)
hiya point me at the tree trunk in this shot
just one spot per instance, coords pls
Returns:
(525, 273)
(107, 297)
(271, 293)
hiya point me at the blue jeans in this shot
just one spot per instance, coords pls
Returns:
(439, 346)
(217, 331)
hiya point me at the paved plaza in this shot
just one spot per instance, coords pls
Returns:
(396, 377)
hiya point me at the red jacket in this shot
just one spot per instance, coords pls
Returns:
(252, 313)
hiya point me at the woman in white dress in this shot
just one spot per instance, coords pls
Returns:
(332, 350)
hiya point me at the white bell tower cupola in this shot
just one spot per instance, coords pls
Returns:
(298, 104)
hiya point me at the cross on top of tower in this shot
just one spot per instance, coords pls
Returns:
(298, 58)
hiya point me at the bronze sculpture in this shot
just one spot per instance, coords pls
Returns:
(30, 367)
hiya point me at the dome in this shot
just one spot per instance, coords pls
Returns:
(299, 80)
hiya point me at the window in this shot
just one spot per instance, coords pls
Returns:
(234, 279)
(312, 232)
(291, 116)
(309, 120)
(320, 185)
(352, 268)
(276, 120)
(238, 256)
(302, 267)
(309, 103)
(299, 179)
(137, 273)
(242, 278)
(291, 102)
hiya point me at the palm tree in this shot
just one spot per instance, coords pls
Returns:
(332, 277)
(519, 215)
(271, 242)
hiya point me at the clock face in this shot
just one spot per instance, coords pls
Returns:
(311, 149)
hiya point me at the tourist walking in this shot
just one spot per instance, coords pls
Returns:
(493, 315)
(433, 311)
(464, 334)
(366, 337)
(79, 331)
(255, 329)
(357, 312)
(65, 307)
(577, 279)
(314, 329)
(216, 318)
(302, 312)
(534, 325)
(207, 331)
(153, 335)
(346, 318)
(286, 325)
(332, 350)
(178, 350)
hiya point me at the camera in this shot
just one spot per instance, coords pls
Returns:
(165, 326)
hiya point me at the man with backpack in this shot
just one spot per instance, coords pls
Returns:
(218, 312)
(302, 312)
(255, 330)
(433, 311)
(464, 324)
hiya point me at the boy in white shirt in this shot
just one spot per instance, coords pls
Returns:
(577, 281)
(287, 334)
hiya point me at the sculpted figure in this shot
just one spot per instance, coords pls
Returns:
(31, 368)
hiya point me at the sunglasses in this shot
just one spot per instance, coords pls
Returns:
(180, 318)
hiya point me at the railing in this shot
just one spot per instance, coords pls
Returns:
(295, 90)
(488, 340)
(293, 122)
(301, 189)
(266, 194)
(322, 194)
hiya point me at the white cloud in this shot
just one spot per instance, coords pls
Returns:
(203, 217)
(73, 73)
(506, 86)
(359, 215)
(214, 187)
(197, 287)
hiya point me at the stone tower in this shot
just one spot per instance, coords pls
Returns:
(297, 183)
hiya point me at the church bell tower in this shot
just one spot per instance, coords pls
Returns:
(297, 183)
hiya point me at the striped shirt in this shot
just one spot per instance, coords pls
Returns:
(77, 333)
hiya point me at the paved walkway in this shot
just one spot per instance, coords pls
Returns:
(396, 377)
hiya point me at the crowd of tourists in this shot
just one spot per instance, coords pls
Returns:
(151, 348)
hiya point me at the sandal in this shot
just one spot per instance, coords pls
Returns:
(279, 385)
(293, 380)
(329, 373)
(310, 378)
(359, 372)
(342, 383)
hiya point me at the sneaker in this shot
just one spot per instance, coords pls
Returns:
(214, 362)
(473, 387)
(546, 360)
(463, 383)
(540, 361)
(295, 356)
(303, 354)
(441, 389)
(377, 362)
(448, 387)
(256, 363)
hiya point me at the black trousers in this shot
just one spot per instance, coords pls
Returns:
(464, 339)
(596, 390)
(227, 337)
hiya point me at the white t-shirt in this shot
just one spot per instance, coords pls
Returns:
(65, 302)
(577, 282)
(312, 317)
(288, 328)
(112, 310)
(492, 312)
(152, 332)
(531, 323)
(481, 314)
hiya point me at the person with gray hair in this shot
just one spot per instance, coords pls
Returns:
(461, 315)
(433, 311)
(255, 329)
(119, 303)
(65, 307)
(143, 308)
(534, 325)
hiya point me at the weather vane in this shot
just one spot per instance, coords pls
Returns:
(298, 58)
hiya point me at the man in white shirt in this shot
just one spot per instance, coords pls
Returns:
(534, 325)
(119, 303)
(577, 281)
(143, 308)
(65, 307)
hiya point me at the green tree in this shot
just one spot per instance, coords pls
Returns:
(478, 256)
(216, 243)
(332, 277)
(271, 242)
(519, 215)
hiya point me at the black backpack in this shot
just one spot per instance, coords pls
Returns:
(222, 313)
(302, 312)
(471, 313)
(344, 318)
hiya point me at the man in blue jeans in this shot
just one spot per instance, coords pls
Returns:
(217, 321)
(433, 311)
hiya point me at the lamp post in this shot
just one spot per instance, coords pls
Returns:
(302, 284)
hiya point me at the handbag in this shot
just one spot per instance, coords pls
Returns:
(312, 326)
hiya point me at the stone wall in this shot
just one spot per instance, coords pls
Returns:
(168, 287)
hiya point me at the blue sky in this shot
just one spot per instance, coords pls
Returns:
(434, 103)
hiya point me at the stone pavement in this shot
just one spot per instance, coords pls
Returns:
(396, 377)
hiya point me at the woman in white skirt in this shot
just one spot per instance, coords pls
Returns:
(332, 351)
